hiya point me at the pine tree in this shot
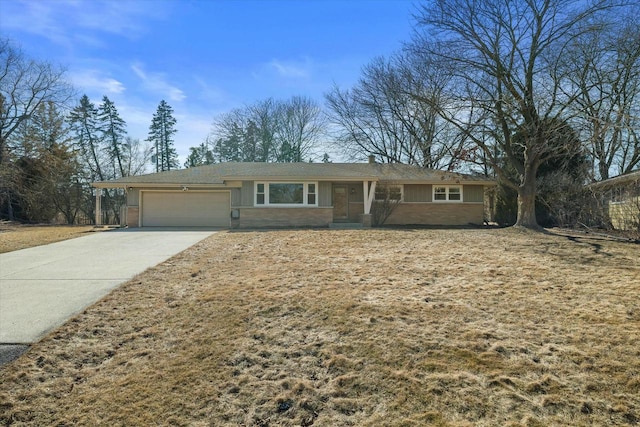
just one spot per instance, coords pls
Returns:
(113, 129)
(84, 123)
(198, 156)
(46, 166)
(161, 134)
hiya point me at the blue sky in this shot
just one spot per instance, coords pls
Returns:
(205, 57)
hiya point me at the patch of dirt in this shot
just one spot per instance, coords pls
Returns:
(15, 236)
(351, 327)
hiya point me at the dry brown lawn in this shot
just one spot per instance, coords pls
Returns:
(14, 236)
(372, 327)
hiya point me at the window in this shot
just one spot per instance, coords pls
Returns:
(260, 194)
(447, 193)
(311, 194)
(392, 192)
(285, 194)
(455, 193)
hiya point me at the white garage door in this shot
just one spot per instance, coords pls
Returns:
(185, 209)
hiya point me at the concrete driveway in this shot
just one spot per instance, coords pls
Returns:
(42, 287)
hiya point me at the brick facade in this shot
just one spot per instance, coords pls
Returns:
(437, 214)
(284, 217)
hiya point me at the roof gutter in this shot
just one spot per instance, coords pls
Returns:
(107, 184)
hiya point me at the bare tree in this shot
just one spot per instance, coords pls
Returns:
(25, 85)
(302, 125)
(137, 155)
(385, 114)
(604, 66)
(268, 131)
(264, 115)
(387, 200)
(504, 56)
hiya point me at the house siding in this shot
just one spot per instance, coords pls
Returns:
(236, 197)
(324, 194)
(622, 197)
(423, 193)
(473, 194)
(133, 197)
(625, 215)
(284, 217)
(437, 214)
(247, 193)
(417, 193)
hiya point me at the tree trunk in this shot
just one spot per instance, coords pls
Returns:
(527, 201)
(10, 208)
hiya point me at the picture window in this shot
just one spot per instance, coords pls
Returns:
(285, 194)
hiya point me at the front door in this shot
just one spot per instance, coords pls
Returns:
(340, 203)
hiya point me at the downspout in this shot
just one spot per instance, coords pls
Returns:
(98, 206)
(124, 217)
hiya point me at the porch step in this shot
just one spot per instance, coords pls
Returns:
(345, 225)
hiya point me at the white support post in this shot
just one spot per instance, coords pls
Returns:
(98, 206)
(369, 195)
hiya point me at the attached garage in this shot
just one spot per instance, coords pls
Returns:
(185, 209)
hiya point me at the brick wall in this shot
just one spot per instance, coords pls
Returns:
(132, 216)
(437, 214)
(285, 217)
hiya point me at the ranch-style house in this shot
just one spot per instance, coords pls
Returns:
(255, 195)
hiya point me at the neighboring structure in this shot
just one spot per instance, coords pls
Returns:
(248, 195)
(621, 200)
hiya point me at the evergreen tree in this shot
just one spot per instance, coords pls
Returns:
(46, 167)
(95, 131)
(84, 124)
(113, 129)
(161, 134)
(198, 156)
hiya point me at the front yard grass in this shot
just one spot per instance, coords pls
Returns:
(15, 236)
(351, 328)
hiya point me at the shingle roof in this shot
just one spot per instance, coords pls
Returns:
(618, 180)
(221, 172)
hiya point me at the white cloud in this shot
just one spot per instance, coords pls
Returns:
(71, 22)
(156, 82)
(210, 93)
(291, 69)
(95, 81)
(117, 17)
